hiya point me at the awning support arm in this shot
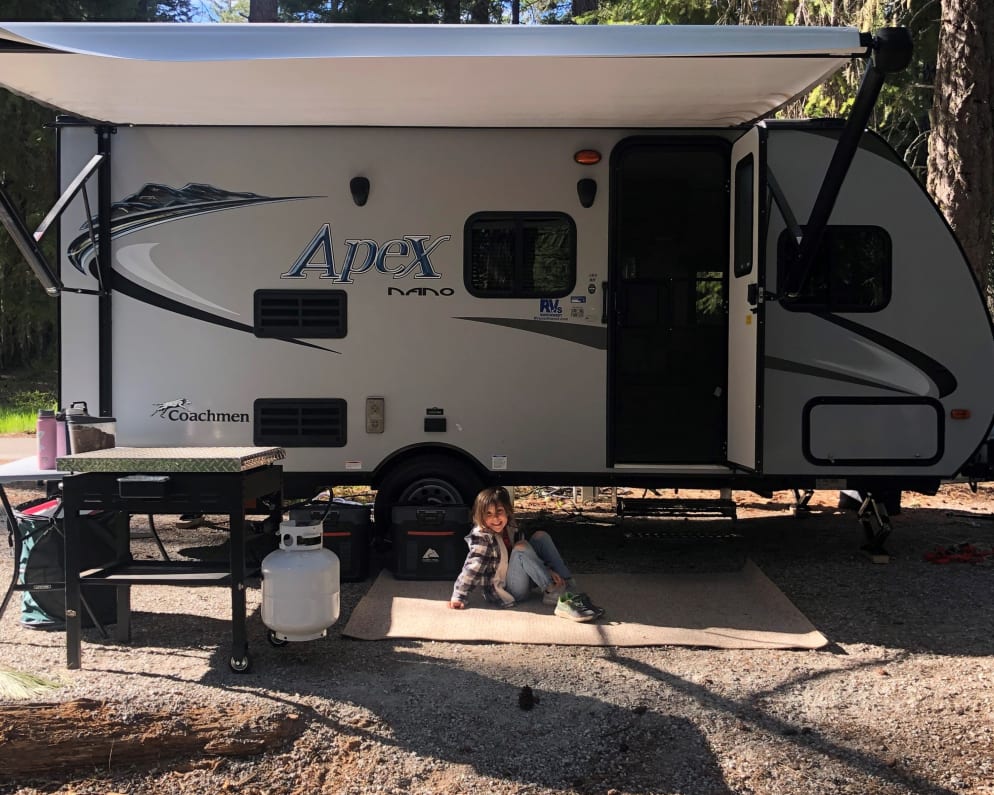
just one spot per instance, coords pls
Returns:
(890, 51)
(788, 214)
(27, 243)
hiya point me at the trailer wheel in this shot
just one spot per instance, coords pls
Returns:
(428, 480)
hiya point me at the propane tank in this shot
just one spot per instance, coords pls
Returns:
(300, 584)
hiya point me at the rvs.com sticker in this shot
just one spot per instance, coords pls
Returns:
(550, 309)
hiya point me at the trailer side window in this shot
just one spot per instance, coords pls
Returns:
(520, 255)
(851, 270)
(743, 216)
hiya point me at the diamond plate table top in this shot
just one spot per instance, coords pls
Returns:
(172, 459)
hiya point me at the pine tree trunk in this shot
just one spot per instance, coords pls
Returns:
(960, 154)
(450, 12)
(263, 11)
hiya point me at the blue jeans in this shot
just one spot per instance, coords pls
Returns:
(528, 565)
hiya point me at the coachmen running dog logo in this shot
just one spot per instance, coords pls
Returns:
(176, 411)
(162, 408)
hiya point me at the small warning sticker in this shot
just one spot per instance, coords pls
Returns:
(498, 462)
(353, 464)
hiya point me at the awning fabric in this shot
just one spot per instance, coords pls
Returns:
(419, 75)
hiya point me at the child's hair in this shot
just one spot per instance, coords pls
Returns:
(490, 498)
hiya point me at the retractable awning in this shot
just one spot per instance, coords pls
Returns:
(419, 75)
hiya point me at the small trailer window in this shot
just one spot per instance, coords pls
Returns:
(520, 255)
(743, 216)
(851, 270)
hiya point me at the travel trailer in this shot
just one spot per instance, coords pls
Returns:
(425, 258)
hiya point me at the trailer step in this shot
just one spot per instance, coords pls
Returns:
(697, 508)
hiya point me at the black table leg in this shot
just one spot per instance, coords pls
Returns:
(14, 534)
(73, 621)
(239, 661)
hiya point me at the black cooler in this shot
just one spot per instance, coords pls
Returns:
(429, 541)
(346, 532)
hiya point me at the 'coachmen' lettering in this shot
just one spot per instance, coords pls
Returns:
(398, 258)
(178, 415)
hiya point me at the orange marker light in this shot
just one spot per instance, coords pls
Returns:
(960, 414)
(587, 157)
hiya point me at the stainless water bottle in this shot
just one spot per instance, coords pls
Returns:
(46, 439)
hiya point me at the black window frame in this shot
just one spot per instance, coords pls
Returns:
(786, 259)
(744, 216)
(518, 219)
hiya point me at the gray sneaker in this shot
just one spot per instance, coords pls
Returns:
(572, 607)
(587, 603)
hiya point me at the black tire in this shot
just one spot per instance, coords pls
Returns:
(430, 479)
(274, 640)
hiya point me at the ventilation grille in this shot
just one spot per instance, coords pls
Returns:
(316, 422)
(300, 313)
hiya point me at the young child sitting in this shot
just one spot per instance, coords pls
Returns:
(506, 566)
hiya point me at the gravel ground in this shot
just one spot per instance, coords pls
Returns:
(899, 702)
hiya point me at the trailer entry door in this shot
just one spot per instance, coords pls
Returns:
(745, 299)
(668, 324)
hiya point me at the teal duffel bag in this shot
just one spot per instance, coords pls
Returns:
(43, 562)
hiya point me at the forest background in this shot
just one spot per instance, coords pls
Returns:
(938, 114)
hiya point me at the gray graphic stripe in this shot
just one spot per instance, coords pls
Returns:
(787, 366)
(591, 336)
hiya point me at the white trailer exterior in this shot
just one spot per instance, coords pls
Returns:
(380, 248)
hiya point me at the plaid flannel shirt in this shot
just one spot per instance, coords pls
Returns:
(481, 565)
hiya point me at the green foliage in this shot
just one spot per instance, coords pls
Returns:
(27, 314)
(17, 421)
(30, 400)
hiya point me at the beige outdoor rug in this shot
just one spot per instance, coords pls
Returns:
(729, 610)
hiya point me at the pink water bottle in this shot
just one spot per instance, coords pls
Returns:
(46, 439)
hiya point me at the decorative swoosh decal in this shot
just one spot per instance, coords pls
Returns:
(158, 204)
(788, 366)
(139, 293)
(591, 336)
(945, 382)
(136, 262)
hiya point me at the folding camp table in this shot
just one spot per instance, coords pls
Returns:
(174, 480)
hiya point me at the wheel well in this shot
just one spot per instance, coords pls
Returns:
(401, 457)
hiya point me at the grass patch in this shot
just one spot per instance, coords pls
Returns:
(22, 393)
(17, 421)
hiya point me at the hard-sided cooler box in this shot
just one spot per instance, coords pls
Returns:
(428, 541)
(346, 532)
